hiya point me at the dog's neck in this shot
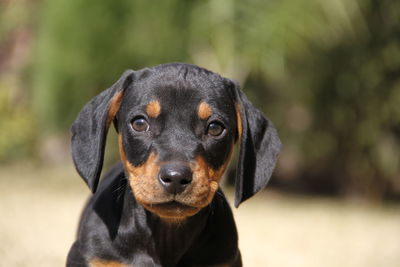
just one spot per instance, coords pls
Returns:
(165, 238)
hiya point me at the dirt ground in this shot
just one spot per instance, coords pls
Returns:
(40, 209)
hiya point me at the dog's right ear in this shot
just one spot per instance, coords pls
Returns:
(89, 130)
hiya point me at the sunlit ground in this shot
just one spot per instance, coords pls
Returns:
(40, 209)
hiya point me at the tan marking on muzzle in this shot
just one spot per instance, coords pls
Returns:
(147, 190)
(142, 178)
(208, 178)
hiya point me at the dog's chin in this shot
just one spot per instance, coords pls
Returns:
(172, 210)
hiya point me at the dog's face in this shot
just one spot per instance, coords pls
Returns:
(176, 137)
(177, 125)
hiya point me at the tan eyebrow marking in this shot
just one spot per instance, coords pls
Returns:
(153, 109)
(204, 111)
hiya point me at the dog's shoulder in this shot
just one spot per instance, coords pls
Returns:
(105, 206)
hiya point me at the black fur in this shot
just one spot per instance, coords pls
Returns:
(259, 149)
(89, 132)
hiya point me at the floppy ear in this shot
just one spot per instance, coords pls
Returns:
(259, 148)
(89, 130)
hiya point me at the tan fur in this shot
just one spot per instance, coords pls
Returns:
(149, 192)
(103, 263)
(204, 111)
(114, 107)
(153, 109)
(239, 121)
(208, 178)
(142, 178)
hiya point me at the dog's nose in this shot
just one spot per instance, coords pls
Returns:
(175, 178)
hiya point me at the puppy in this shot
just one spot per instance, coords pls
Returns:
(177, 125)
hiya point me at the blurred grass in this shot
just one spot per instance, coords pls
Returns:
(41, 206)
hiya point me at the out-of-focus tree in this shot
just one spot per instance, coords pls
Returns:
(353, 142)
(17, 123)
(83, 47)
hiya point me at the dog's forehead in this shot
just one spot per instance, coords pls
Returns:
(182, 88)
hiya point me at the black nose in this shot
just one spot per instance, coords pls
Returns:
(174, 177)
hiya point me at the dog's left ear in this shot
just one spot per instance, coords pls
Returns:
(259, 148)
(89, 130)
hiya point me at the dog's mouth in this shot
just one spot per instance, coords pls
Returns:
(172, 210)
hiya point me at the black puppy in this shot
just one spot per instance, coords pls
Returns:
(177, 125)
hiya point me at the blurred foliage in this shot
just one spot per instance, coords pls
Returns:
(17, 137)
(326, 72)
(352, 144)
(83, 47)
(18, 132)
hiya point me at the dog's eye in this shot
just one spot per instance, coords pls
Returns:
(215, 128)
(140, 125)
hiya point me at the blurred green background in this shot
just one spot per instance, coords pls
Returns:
(326, 72)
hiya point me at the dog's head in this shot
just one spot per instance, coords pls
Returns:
(177, 125)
